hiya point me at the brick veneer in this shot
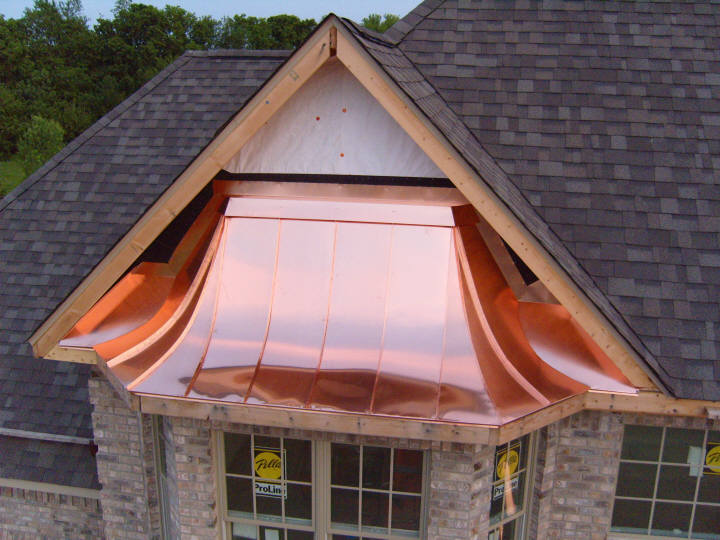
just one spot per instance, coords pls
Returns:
(578, 477)
(124, 464)
(196, 479)
(30, 514)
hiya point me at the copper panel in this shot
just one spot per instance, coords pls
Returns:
(463, 393)
(244, 302)
(510, 398)
(299, 313)
(501, 311)
(357, 314)
(340, 211)
(415, 322)
(130, 303)
(147, 343)
(564, 345)
(348, 306)
(172, 371)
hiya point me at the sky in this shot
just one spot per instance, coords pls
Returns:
(315, 9)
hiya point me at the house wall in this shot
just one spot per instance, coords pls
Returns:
(124, 463)
(577, 476)
(576, 467)
(30, 514)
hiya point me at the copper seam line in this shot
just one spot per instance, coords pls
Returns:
(492, 340)
(195, 310)
(348, 221)
(221, 266)
(327, 318)
(451, 259)
(270, 310)
(197, 282)
(385, 317)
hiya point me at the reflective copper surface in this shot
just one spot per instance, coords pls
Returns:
(355, 306)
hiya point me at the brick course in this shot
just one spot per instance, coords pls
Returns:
(122, 462)
(577, 481)
(29, 514)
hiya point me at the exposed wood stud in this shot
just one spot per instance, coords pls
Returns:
(333, 41)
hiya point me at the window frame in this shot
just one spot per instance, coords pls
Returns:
(659, 463)
(527, 499)
(321, 524)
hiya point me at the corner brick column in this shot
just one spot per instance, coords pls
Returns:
(579, 475)
(195, 480)
(459, 497)
(122, 470)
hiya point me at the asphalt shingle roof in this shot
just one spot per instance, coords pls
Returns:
(606, 116)
(48, 462)
(596, 122)
(59, 224)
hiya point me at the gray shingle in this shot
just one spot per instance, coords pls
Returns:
(59, 223)
(633, 87)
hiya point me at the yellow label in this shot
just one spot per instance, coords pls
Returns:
(268, 465)
(507, 463)
(712, 458)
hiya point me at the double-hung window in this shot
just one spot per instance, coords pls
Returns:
(280, 488)
(668, 483)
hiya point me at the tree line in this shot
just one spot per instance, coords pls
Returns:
(58, 75)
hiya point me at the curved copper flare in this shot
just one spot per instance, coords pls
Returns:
(361, 307)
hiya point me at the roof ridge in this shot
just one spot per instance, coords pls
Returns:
(90, 132)
(223, 53)
(398, 31)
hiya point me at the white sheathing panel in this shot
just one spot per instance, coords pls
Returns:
(332, 125)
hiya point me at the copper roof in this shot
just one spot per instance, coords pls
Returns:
(354, 306)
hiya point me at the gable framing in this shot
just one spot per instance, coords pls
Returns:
(334, 39)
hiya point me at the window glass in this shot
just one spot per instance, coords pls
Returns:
(507, 498)
(642, 443)
(367, 492)
(636, 480)
(268, 483)
(384, 497)
(679, 442)
(670, 519)
(672, 487)
(345, 465)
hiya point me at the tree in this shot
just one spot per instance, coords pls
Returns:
(41, 140)
(276, 32)
(375, 22)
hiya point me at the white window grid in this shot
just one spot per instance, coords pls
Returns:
(282, 521)
(618, 533)
(321, 525)
(362, 532)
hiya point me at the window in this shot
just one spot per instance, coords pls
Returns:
(161, 448)
(508, 498)
(278, 488)
(668, 483)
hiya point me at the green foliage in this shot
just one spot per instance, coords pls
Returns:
(11, 174)
(54, 66)
(375, 22)
(41, 140)
(276, 32)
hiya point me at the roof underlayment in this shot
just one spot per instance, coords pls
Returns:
(354, 306)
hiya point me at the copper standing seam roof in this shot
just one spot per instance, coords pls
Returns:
(361, 307)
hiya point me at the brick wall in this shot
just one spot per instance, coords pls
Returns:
(195, 480)
(577, 479)
(459, 495)
(124, 464)
(29, 514)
